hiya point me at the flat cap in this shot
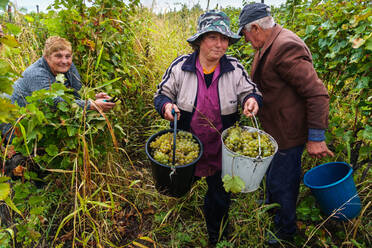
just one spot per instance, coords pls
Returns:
(252, 12)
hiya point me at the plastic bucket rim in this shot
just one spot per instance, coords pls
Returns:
(258, 130)
(328, 185)
(168, 166)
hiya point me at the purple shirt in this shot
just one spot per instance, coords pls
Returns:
(206, 123)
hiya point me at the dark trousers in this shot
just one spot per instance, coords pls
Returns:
(216, 207)
(5, 129)
(282, 185)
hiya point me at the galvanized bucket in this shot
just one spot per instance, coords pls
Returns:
(250, 170)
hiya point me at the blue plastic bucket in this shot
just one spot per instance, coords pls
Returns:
(334, 189)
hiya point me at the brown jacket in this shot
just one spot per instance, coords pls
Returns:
(294, 98)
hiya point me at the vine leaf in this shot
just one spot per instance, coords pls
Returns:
(10, 41)
(4, 196)
(234, 184)
(4, 191)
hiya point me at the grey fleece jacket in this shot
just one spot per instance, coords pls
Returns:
(39, 76)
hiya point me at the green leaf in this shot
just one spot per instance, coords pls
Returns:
(365, 151)
(362, 83)
(4, 179)
(29, 18)
(71, 130)
(13, 29)
(366, 133)
(52, 150)
(233, 184)
(31, 175)
(37, 210)
(3, 3)
(4, 191)
(331, 34)
(10, 203)
(23, 131)
(339, 132)
(63, 106)
(369, 44)
(310, 28)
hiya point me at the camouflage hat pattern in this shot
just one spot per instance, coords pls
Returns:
(213, 21)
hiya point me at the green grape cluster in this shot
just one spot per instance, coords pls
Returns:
(245, 142)
(187, 148)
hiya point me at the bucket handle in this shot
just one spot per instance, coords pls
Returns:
(255, 124)
(173, 168)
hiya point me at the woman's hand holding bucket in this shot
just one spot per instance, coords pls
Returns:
(250, 107)
(168, 111)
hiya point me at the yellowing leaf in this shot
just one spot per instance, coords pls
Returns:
(357, 42)
(10, 41)
(147, 239)
(7, 110)
(4, 179)
(4, 190)
(139, 245)
(357, 18)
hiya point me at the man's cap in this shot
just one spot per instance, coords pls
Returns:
(213, 21)
(252, 12)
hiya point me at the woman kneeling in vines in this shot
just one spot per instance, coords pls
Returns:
(56, 60)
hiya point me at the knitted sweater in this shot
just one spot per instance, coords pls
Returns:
(39, 76)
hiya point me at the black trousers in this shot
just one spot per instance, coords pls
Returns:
(5, 130)
(282, 183)
(216, 207)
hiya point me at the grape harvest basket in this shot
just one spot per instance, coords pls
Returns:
(250, 170)
(170, 180)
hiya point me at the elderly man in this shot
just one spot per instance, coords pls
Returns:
(294, 111)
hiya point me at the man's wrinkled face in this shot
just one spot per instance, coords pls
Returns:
(255, 36)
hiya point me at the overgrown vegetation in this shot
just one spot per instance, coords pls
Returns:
(87, 181)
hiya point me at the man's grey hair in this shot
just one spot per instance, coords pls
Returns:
(265, 23)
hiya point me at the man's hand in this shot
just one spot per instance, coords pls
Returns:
(250, 107)
(318, 149)
(101, 104)
(168, 111)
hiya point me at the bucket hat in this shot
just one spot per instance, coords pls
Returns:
(252, 12)
(213, 21)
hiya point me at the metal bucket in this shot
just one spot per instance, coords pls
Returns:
(250, 170)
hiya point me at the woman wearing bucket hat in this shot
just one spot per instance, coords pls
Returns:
(295, 107)
(206, 88)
